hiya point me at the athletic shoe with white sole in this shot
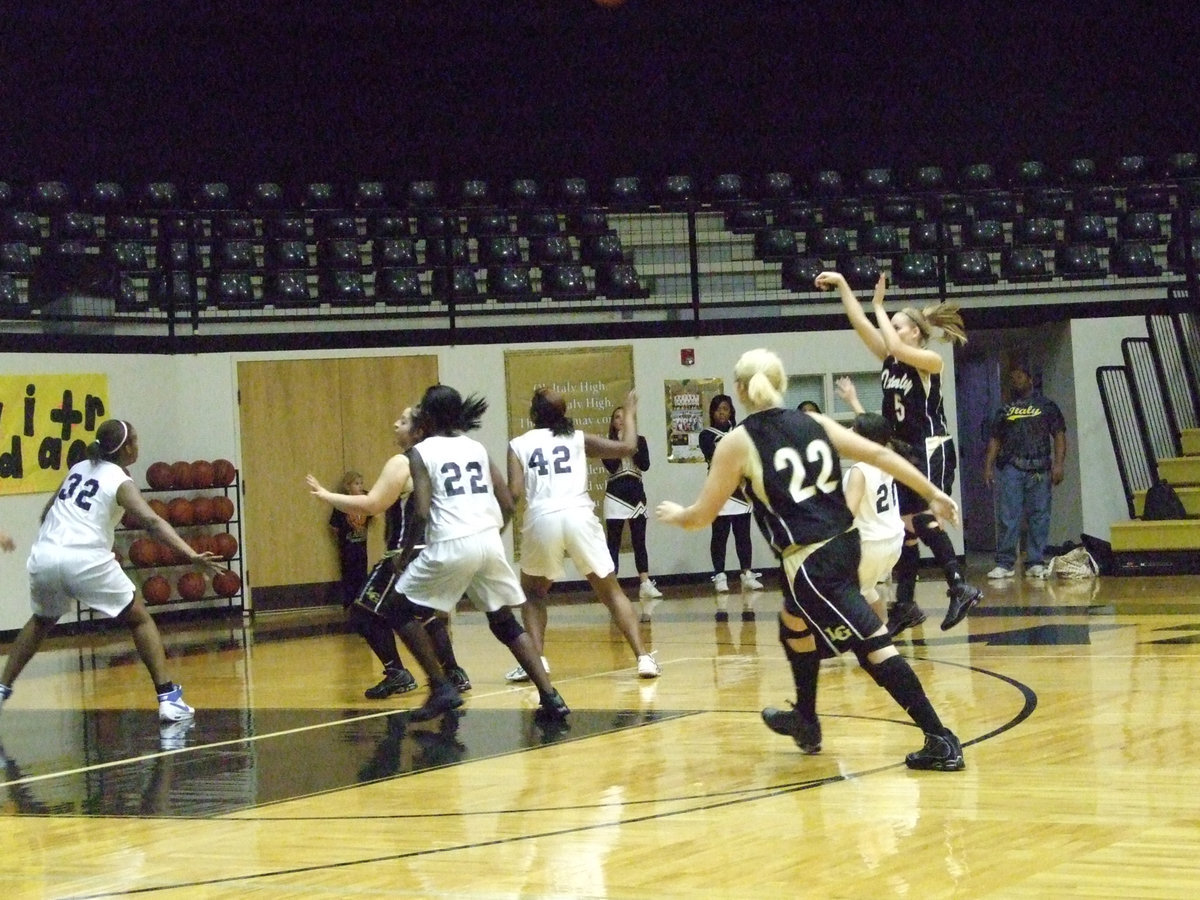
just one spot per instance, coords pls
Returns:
(519, 673)
(171, 707)
(647, 666)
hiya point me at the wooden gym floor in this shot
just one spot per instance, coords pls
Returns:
(1077, 702)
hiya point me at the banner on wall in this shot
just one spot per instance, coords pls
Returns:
(687, 415)
(594, 381)
(46, 423)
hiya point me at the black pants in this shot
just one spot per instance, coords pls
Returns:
(740, 526)
(637, 533)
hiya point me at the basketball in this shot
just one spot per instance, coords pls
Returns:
(203, 511)
(156, 589)
(202, 474)
(159, 507)
(180, 512)
(225, 545)
(222, 509)
(129, 520)
(181, 475)
(158, 476)
(226, 583)
(144, 552)
(191, 586)
(201, 543)
(223, 472)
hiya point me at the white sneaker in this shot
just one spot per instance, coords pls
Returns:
(1035, 571)
(519, 673)
(1001, 572)
(647, 667)
(649, 591)
(750, 582)
(647, 609)
(171, 707)
(721, 583)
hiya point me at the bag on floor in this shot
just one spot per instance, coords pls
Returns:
(1162, 503)
(1077, 563)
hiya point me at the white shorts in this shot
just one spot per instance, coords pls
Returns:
(475, 565)
(58, 578)
(576, 533)
(878, 560)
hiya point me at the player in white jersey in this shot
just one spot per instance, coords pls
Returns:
(871, 495)
(548, 466)
(463, 502)
(72, 561)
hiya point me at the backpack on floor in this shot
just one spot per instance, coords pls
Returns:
(1162, 503)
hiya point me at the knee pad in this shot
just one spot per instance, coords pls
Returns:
(504, 625)
(786, 632)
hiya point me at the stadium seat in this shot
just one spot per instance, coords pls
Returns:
(626, 191)
(1177, 258)
(727, 189)
(51, 197)
(491, 222)
(1134, 259)
(1079, 261)
(399, 286)
(828, 243)
(677, 190)
(499, 250)
(343, 287)
(447, 251)
(523, 193)
(531, 223)
(421, 194)
(290, 289)
(1035, 231)
(320, 195)
(458, 284)
(340, 255)
(916, 270)
(800, 274)
(778, 186)
(1087, 229)
(619, 281)
(551, 249)
(861, 271)
(572, 191)
(1024, 264)
(394, 253)
(971, 267)
(587, 221)
(985, 234)
(264, 196)
(159, 196)
(509, 282)
(600, 248)
(564, 281)
(369, 195)
(774, 243)
(1140, 226)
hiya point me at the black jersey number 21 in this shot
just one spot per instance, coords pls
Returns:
(454, 476)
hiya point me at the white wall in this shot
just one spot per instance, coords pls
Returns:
(185, 408)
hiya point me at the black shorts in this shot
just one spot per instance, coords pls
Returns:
(825, 593)
(939, 467)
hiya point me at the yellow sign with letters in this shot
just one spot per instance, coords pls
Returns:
(46, 424)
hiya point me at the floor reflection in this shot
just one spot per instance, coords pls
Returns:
(122, 763)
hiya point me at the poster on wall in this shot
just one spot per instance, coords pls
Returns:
(687, 415)
(46, 423)
(594, 381)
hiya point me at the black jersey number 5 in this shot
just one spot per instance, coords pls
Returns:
(83, 498)
(454, 476)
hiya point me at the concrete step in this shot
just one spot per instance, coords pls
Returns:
(1170, 534)
(1189, 494)
(1190, 438)
(1180, 470)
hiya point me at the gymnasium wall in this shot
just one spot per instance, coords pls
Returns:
(185, 408)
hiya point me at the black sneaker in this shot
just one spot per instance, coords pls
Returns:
(962, 597)
(442, 698)
(458, 678)
(395, 681)
(902, 616)
(941, 753)
(553, 706)
(807, 735)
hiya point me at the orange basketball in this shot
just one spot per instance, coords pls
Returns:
(222, 509)
(181, 475)
(223, 472)
(159, 477)
(159, 507)
(201, 543)
(180, 512)
(225, 545)
(202, 474)
(191, 586)
(129, 520)
(226, 583)
(156, 589)
(202, 510)
(144, 552)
